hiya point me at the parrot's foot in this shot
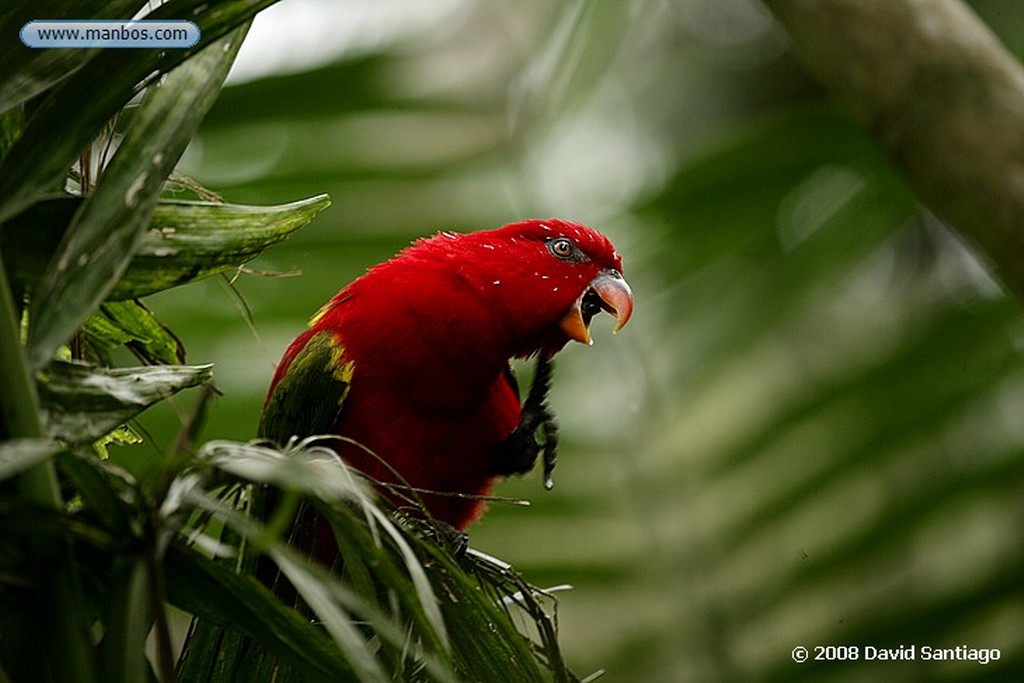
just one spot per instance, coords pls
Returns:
(518, 453)
(455, 540)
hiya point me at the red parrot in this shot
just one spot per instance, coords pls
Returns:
(411, 360)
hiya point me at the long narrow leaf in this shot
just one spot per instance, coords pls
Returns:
(318, 473)
(59, 591)
(368, 565)
(185, 241)
(189, 241)
(119, 323)
(107, 228)
(103, 489)
(18, 455)
(487, 646)
(127, 625)
(52, 139)
(330, 613)
(211, 591)
(82, 403)
(27, 71)
(447, 608)
(19, 405)
(420, 582)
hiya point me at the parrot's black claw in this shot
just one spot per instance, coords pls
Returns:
(518, 453)
(455, 540)
(550, 451)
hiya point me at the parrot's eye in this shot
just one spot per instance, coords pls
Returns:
(563, 248)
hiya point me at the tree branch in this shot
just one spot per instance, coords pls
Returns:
(944, 98)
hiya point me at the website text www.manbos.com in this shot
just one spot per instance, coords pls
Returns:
(109, 33)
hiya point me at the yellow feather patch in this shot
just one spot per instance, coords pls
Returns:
(340, 369)
(310, 395)
(320, 314)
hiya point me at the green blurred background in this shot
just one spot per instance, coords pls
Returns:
(811, 432)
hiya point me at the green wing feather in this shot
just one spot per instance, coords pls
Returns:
(307, 399)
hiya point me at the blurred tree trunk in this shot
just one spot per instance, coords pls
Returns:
(944, 98)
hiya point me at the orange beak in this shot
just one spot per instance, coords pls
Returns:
(606, 292)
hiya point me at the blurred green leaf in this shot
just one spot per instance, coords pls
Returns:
(39, 160)
(107, 227)
(847, 357)
(81, 403)
(28, 72)
(128, 619)
(120, 323)
(17, 455)
(105, 491)
(11, 123)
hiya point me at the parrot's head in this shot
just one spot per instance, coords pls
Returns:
(544, 280)
(525, 288)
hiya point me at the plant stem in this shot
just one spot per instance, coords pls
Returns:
(943, 97)
(54, 636)
(19, 406)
